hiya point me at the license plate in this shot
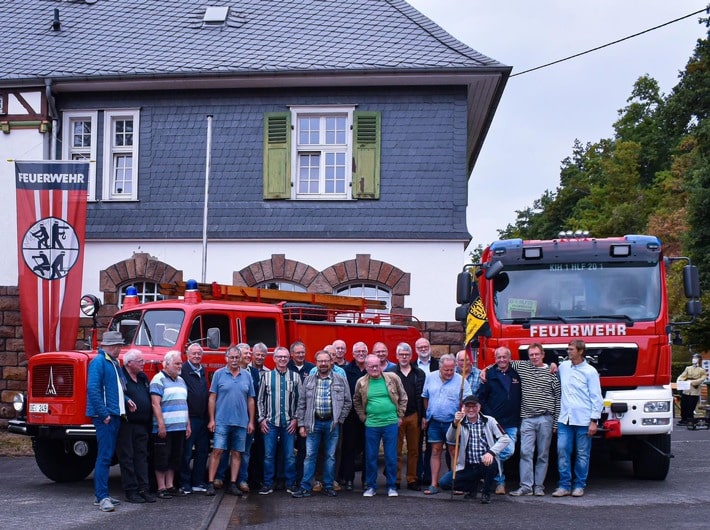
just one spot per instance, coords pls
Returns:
(39, 407)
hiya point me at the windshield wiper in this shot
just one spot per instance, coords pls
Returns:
(526, 321)
(628, 319)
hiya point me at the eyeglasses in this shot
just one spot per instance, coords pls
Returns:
(379, 351)
(422, 348)
(139, 361)
(359, 351)
(233, 358)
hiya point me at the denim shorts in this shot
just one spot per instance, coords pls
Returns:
(230, 437)
(436, 431)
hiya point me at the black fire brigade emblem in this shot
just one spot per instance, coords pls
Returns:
(50, 248)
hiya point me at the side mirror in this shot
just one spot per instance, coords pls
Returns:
(694, 308)
(493, 269)
(462, 313)
(691, 281)
(463, 288)
(213, 338)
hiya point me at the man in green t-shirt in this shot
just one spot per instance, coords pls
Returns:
(380, 401)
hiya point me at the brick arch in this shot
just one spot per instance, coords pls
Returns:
(276, 268)
(140, 267)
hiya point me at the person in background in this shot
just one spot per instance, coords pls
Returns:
(696, 375)
(134, 433)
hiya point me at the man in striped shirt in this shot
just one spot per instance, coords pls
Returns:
(276, 412)
(539, 410)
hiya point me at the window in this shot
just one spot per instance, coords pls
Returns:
(146, 291)
(198, 331)
(79, 142)
(282, 286)
(328, 153)
(261, 330)
(369, 291)
(120, 163)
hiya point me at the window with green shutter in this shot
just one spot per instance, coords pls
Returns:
(330, 153)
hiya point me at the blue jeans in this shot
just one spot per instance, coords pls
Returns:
(200, 440)
(388, 435)
(106, 436)
(243, 475)
(279, 437)
(573, 438)
(506, 453)
(321, 433)
(534, 433)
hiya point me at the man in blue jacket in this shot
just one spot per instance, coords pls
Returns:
(106, 402)
(500, 397)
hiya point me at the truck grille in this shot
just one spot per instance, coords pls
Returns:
(612, 360)
(55, 380)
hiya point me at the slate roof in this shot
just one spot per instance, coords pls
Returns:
(155, 38)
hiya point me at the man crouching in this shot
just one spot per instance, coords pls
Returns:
(482, 440)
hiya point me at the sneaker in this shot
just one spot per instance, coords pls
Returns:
(147, 496)
(520, 492)
(266, 490)
(337, 486)
(218, 484)
(293, 488)
(539, 491)
(349, 485)
(243, 486)
(210, 492)
(485, 498)
(330, 492)
(114, 501)
(301, 494)
(134, 498)
(560, 492)
(172, 490)
(105, 505)
(183, 492)
(369, 492)
(577, 492)
(233, 489)
(200, 487)
(500, 489)
(392, 492)
(317, 486)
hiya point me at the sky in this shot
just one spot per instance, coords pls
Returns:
(542, 113)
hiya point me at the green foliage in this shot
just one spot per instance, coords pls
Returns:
(652, 177)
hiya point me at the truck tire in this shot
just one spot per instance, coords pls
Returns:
(649, 464)
(59, 463)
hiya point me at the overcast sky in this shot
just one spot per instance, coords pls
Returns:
(541, 113)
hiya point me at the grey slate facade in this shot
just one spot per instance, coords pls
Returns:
(436, 97)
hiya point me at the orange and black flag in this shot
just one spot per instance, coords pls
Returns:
(476, 319)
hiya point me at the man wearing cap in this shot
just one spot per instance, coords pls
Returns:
(106, 402)
(481, 440)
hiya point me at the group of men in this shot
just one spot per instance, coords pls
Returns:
(306, 428)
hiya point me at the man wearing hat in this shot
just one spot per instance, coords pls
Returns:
(481, 440)
(106, 402)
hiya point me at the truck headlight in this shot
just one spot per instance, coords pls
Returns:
(657, 406)
(18, 403)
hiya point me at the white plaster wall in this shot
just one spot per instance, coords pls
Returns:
(433, 265)
(19, 144)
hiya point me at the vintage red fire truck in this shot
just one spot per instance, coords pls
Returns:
(216, 316)
(611, 293)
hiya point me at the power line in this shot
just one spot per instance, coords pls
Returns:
(610, 43)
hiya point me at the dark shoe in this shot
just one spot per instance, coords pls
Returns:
(301, 494)
(209, 491)
(147, 497)
(470, 495)
(172, 490)
(182, 492)
(164, 494)
(349, 485)
(233, 489)
(218, 484)
(330, 492)
(134, 498)
(485, 498)
(266, 490)
(293, 488)
(396, 485)
(414, 486)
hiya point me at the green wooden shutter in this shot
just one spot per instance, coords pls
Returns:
(277, 155)
(366, 155)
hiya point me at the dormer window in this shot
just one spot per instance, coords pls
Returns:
(215, 15)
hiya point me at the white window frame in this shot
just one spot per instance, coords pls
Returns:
(297, 149)
(110, 151)
(69, 151)
(380, 290)
(146, 290)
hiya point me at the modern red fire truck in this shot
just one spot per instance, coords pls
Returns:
(611, 293)
(215, 316)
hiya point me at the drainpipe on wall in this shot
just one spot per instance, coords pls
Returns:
(208, 168)
(55, 118)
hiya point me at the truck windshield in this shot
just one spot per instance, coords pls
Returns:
(151, 328)
(567, 291)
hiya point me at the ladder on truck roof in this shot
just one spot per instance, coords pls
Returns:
(239, 293)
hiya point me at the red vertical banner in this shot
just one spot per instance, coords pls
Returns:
(51, 229)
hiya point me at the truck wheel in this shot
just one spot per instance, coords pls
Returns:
(59, 463)
(649, 464)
